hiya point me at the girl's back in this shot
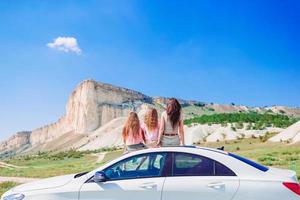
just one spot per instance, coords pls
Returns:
(133, 135)
(134, 138)
(151, 127)
(169, 129)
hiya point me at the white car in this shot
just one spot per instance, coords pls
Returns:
(173, 173)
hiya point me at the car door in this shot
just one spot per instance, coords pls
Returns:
(135, 178)
(198, 177)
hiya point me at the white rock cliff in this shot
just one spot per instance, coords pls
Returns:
(90, 106)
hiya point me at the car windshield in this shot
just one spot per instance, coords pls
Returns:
(146, 165)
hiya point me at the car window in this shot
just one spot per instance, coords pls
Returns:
(222, 170)
(141, 166)
(157, 162)
(194, 165)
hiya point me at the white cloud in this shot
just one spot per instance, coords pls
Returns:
(66, 44)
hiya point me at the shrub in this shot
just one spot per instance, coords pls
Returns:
(249, 126)
(211, 109)
(239, 125)
(282, 111)
(292, 158)
(267, 159)
(255, 120)
(264, 138)
(200, 104)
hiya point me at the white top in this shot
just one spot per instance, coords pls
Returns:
(168, 125)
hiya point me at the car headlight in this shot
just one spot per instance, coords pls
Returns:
(14, 197)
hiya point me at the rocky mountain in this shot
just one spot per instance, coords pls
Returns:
(17, 141)
(95, 113)
(90, 106)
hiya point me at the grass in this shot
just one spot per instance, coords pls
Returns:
(42, 168)
(44, 165)
(269, 154)
(111, 155)
(47, 164)
(6, 186)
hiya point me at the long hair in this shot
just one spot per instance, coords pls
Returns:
(132, 124)
(174, 111)
(151, 119)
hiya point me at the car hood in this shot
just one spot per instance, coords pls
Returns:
(53, 182)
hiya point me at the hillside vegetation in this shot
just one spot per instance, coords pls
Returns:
(253, 119)
(47, 164)
(268, 154)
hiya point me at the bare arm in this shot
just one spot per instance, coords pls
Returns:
(161, 129)
(143, 136)
(181, 132)
(123, 136)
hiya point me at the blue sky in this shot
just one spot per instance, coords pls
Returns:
(246, 52)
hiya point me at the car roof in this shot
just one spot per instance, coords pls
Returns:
(178, 149)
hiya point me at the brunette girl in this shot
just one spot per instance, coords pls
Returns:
(171, 132)
(151, 127)
(133, 135)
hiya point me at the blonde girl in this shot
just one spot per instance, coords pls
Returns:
(151, 127)
(132, 134)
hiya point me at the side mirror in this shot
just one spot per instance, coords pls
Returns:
(99, 177)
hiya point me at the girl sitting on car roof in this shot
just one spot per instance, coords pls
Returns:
(171, 131)
(151, 127)
(133, 134)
